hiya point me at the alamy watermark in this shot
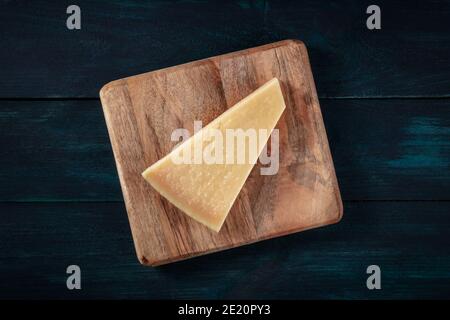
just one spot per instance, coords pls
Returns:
(228, 146)
(74, 280)
(73, 21)
(374, 280)
(374, 20)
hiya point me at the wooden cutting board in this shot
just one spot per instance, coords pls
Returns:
(142, 111)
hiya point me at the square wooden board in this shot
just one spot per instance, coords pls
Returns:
(142, 111)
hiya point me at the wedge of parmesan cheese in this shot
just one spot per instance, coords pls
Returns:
(204, 175)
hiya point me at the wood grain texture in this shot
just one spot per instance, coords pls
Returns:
(142, 111)
(123, 38)
(408, 240)
(383, 149)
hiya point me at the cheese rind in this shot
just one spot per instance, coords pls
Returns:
(206, 192)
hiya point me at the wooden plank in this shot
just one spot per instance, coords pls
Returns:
(40, 57)
(408, 240)
(390, 149)
(382, 149)
(116, 39)
(143, 111)
(55, 151)
(348, 59)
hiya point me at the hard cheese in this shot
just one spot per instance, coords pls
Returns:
(204, 189)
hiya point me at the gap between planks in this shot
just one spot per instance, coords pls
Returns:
(57, 201)
(444, 97)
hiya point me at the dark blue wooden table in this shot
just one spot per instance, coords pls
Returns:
(385, 96)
